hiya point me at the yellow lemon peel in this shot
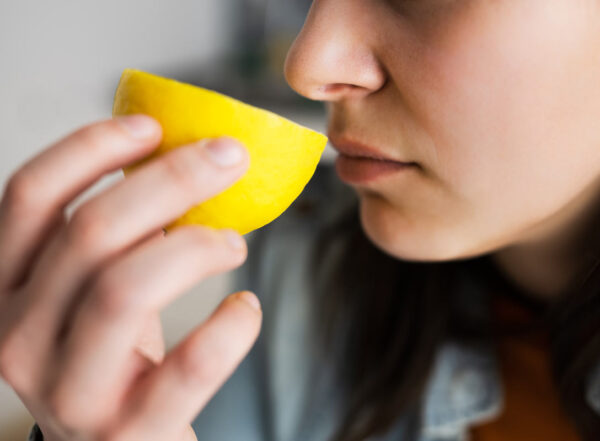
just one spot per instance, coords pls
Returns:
(283, 154)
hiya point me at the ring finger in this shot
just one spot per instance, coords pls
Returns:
(91, 362)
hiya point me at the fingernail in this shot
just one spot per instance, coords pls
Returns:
(250, 299)
(225, 152)
(235, 240)
(138, 126)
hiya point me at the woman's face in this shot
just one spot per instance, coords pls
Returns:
(498, 101)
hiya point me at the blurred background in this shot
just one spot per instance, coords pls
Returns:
(60, 63)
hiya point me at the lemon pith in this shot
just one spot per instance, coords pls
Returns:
(283, 155)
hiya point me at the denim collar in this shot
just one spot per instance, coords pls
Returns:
(464, 389)
(465, 386)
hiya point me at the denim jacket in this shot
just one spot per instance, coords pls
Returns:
(282, 392)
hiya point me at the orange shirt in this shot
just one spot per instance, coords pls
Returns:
(531, 409)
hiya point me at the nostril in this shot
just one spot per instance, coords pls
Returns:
(335, 87)
(338, 91)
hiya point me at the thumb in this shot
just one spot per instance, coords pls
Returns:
(173, 393)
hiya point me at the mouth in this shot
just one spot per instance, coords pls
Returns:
(360, 170)
(356, 149)
(360, 163)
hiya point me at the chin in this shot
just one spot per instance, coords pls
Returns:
(405, 238)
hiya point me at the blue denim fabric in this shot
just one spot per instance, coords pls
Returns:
(281, 392)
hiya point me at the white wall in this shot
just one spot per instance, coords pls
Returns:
(60, 60)
(59, 65)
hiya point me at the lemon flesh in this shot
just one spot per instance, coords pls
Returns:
(283, 155)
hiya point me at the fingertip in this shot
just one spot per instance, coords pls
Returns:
(234, 239)
(245, 152)
(140, 126)
(232, 140)
(250, 299)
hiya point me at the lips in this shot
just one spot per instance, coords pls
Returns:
(355, 170)
(360, 163)
(355, 149)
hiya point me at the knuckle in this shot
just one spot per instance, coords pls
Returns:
(21, 192)
(70, 409)
(201, 364)
(88, 229)
(61, 409)
(12, 364)
(112, 296)
(15, 367)
(181, 168)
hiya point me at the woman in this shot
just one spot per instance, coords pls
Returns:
(459, 293)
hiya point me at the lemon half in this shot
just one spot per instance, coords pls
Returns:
(283, 155)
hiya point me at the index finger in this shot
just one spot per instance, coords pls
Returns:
(37, 193)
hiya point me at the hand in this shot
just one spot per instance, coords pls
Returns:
(80, 337)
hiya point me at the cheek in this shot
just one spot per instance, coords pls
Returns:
(514, 125)
(508, 98)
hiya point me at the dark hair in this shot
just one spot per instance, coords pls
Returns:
(384, 318)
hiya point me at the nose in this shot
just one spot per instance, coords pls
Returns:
(333, 56)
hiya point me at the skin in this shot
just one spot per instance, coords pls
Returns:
(80, 297)
(497, 101)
